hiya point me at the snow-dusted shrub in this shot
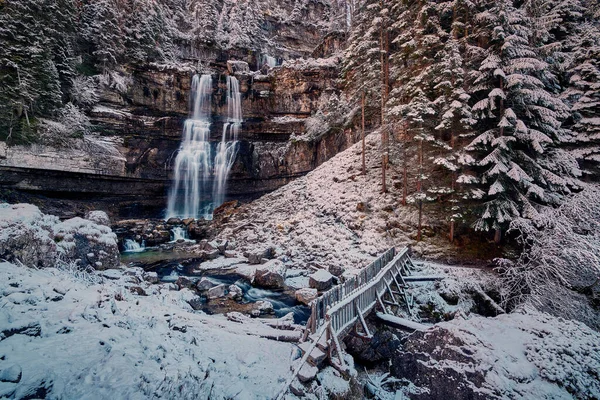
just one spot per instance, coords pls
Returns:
(561, 251)
(84, 92)
(71, 123)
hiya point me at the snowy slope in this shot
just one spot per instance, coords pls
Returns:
(333, 216)
(72, 339)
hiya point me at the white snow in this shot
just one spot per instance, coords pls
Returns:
(97, 340)
(529, 355)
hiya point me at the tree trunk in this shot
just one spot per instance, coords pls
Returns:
(383, 130)
(497, 236)
(362, 135)
(451, 231)
(419, 231)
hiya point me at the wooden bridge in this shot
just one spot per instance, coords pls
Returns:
(343, 308)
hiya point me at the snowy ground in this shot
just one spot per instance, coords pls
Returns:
(334, 216)
(71, 339)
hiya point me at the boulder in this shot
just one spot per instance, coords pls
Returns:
(11, 373)
(183, 282)
(270, 275)
(217, 292)
(26, 235)
(306, 295)
(204, 284)
(320, 280)
(307, 372)
(174, 221)
(235, 292)
(263, 307)
(99, 217)
(187, 221)
(196, 303)
(336, 270)
(255, 257)
(78, 237)
(39, 240)
(150, 277)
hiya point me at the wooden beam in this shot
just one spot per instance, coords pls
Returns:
(362, 320)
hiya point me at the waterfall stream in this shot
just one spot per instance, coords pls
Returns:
(195, 164)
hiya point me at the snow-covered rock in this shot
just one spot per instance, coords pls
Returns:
(10, 373)
(235, 292)
(205, 284)
(321, 280)
(263, 307)
(519, 355)
(306, 295)
(99, 217)
(270, 275)
(40, 240)
(92, 244)
(217, 292)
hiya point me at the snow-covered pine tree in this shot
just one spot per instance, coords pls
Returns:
(455, 119)
(102, 31)
(583, 93)
(520, 165)
(30, 81)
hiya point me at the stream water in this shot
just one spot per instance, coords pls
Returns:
(170, 265)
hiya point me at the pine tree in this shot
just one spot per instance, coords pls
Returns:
(517, 154)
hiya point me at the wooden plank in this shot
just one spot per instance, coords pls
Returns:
(424, 278)
(362, 320)
(401, 322)
(338, 348)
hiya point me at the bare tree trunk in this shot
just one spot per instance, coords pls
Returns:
(364, 164)
(497, 236)
(383, 130)
(420, 229)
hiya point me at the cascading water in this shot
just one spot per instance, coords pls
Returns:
(194, 164)
(270, 61)
(131, 246)
(227, 148)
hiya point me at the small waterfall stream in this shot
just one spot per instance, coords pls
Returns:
(195, 164)
(227, 148)
(131, 246)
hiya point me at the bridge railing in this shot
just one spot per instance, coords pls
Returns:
(340, 302)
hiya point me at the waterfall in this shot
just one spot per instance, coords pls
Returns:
(227, 148)
(131, 246)
(195, 164)
(270, 61)
(180, 233)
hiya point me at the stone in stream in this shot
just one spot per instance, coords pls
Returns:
(263, 307)
(183, 282)
(270, 275)
(204, 284)
(217, 292)
(320, 280)
(235, 292)
(174, 221)
(306, 295)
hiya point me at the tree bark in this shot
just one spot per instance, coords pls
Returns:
(497, 236)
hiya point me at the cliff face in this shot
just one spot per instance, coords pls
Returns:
(126, 164)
